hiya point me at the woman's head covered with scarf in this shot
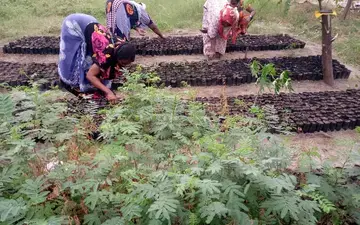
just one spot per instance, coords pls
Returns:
(142, 13)
(229, 18)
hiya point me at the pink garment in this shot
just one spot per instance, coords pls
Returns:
(229, 15)
(213, 43)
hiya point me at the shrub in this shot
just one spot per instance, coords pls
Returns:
(161, 161)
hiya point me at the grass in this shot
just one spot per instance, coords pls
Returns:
(40, 17)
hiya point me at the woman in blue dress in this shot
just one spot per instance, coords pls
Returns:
(91, 57)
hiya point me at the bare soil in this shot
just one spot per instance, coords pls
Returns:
(23, 58)
(332, 146)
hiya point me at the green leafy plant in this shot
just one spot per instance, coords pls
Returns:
(357, 129)
(256, 110)
(267, 77)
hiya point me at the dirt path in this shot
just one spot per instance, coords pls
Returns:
(20, 58)
(330, 146)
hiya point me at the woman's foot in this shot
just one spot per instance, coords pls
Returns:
(217, 55)
(210, 57)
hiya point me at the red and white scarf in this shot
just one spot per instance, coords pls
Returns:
(228, 23)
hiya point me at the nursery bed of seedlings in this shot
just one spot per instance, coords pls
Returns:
(187, 45)
(33, 45)
(18, 74)
(237, 71)
(170, 46)
(306, 112)
(203, 73)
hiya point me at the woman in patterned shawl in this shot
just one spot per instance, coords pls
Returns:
(223, 19)
(90, 57)
(124, 15)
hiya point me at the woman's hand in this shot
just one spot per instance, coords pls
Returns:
(140, 31)
(94, 80)
(248, 18)
(111, 97)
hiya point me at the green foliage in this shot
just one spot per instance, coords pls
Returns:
(256, 110)
(267, 77)
(163, 208)
(114, 221)
(325, 205)
(214, 209)
(12, 209)
(162, 161)
(292, 208)
(7, 107)
(308, 159)
(33, 189)
(357, 129)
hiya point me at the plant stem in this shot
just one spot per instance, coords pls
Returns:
(342, 168)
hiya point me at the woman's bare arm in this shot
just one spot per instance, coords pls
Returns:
(251, 10)
(156, 30)
(94, 71)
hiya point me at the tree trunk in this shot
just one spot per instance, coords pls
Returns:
(320, 4)
(347, 8)
(327, 65)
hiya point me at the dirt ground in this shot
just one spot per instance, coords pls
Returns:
(19, 58)
(332, 146)
(326, 143)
